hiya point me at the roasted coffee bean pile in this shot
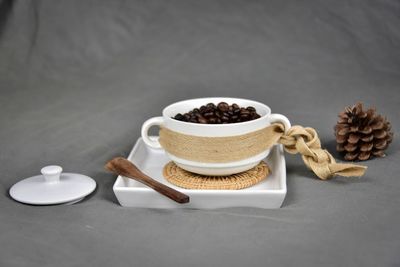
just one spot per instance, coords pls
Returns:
(219, 114)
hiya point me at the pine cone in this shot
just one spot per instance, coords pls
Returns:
(361, 135)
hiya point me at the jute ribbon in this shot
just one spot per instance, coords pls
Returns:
(232, 148)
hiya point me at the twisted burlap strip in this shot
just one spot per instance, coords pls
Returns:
(232, 148)
(306, 142)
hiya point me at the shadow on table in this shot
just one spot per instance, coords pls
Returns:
(105, 182)
(297, 172)
(5, 12)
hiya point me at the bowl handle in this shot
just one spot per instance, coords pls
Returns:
(155, 121)
(280, 118)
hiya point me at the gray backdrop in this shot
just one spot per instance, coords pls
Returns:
(78, 78)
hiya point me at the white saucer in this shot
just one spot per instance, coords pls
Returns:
(268, 194)
(53, 188)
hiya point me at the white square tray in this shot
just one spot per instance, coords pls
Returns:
(268, 194)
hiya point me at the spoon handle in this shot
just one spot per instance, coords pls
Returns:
(126, 168)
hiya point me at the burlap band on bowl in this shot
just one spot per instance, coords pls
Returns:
(218, 149)
(233, 148)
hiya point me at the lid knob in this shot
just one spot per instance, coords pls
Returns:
(51, 173)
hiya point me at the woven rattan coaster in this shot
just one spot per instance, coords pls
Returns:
(188, 180)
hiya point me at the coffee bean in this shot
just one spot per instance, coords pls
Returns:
(208, 109)
(225, 119)
(251, 109)
(244, 112)
(179, 117)
(212, 120)
(234, 117)
(208, 114)
(186, 117)
(211, 105)
(244, 117)
(223, 106)
(202, 120)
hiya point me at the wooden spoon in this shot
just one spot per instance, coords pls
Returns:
(126, 168)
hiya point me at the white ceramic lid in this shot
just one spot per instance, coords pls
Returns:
(53, 187)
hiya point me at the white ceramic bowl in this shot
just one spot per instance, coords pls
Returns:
(213, 130)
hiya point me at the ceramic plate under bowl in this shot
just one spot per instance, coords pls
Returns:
(268, 194)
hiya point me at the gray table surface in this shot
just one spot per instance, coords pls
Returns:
(78, 78)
